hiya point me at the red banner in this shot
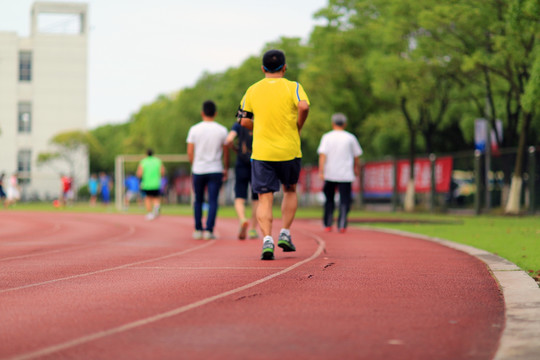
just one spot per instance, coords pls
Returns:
(379, 176)
(182, 185)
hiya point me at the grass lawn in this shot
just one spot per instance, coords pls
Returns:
(514, 238)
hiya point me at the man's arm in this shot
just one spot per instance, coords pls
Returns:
(230, 138)
(225, 162)
(247, 123)
(139, 171)
(322, 161)
(191, 152)
(357, 166)
(303, 111)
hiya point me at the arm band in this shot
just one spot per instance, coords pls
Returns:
(240, 114)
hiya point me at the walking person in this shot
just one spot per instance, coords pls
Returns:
(2, 192)
(93, 187)
(105, 186)
(209, 158)
(242, 170)
(66, 195)
(132, 185)
(150, 171)
(13, 193)
(275, 109)
(339, 165)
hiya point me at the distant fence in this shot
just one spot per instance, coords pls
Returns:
(458, 181)
(451, 181)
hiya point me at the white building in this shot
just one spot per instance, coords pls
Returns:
(43, 92)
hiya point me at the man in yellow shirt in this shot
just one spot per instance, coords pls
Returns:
(276, 109)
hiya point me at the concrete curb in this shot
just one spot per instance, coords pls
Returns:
(519, 340)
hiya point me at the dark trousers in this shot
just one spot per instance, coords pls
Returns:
(329, 190)
(213, 183)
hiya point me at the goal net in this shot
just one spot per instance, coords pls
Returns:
(120, 175)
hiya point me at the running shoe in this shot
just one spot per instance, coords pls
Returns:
(285, 242)
(268, 250)
(150, 216)
(243, 230)
(342, 230)
(208, 235)
(197, 234)
(253, 234)
(328, 229)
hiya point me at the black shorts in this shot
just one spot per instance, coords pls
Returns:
(151, 193)
(243, 179)
(266, 175)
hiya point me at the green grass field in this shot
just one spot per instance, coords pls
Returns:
(514, 238)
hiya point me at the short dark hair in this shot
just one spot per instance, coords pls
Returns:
(149, 152)
(273, 61)
(209, 108)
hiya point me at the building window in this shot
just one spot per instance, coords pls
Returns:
(25, 66)
(24, 165)
(25, 118)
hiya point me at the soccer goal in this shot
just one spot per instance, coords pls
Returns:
(120, 175)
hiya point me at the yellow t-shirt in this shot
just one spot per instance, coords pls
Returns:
(274, 104)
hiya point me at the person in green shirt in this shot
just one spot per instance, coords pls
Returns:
(150, 171)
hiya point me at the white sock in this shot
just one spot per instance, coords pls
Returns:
(268, 238)
(285, 231)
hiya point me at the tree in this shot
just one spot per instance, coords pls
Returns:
(523, 27)
(70, 146)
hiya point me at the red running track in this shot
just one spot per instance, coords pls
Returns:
(95, 286)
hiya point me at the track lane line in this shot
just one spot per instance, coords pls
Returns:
(109, 269)
(206, 268)
(131, 231)
(135, 324)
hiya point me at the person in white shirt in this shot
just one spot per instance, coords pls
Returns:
(339, 165)
(209, 158)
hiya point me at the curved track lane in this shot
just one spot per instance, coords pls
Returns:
(117, 287)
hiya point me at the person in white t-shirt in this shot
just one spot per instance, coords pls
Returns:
(209, 158)
(339, 165)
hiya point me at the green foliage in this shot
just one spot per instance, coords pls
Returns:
(112, 140)
(405, 73)
(68, 142)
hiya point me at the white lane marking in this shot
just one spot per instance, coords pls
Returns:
(132, 325)
(131, 230)
(108, 269)
(206, 268)
(46, 232)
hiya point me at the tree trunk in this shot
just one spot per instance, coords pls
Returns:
(514, 198)
(410, 198)
(409, 202)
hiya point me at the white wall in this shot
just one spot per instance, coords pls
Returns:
(57, 92)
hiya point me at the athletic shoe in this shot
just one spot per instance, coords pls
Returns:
(268, 250)
(208, 235)
(243, 230)
(253, 234)
(328, 229)
(197, 234)
(342, 230)
(150, 216)
(285, 242)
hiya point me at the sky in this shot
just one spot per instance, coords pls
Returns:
(139, 49)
